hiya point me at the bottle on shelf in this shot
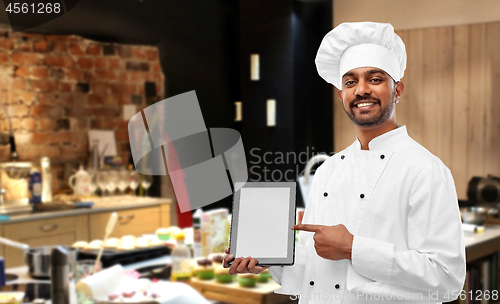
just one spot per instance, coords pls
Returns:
(197, 233)
(181, 260)
(46, 180)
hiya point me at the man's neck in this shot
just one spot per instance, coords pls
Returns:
(365, 135)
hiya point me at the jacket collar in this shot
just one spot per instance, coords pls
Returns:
(387, 141)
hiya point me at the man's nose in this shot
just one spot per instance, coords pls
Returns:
(363, 88)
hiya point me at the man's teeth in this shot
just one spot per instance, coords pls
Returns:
(359, 105)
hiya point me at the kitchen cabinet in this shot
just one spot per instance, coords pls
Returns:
(131, 221)
(53, 231)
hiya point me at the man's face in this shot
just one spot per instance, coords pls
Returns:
(368, 96)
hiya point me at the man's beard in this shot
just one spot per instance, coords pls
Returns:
(382, 116)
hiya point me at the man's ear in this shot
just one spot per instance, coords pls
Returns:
(399, 87)
(339, 93)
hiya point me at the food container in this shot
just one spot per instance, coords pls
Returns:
(475, 215)
(11, 297)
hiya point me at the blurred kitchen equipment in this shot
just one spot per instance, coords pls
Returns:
(46, 180)
(14, 181)
(38, 258)
(59, 291)
(476, 215)
(484, 190)
(80, 182)
(109, 228)
(11, 141)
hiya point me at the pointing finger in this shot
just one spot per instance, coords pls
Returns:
(307, 227)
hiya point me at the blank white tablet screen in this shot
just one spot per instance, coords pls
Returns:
(263, 222)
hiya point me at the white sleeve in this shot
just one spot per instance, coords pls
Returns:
(276, 273)
(435, 259)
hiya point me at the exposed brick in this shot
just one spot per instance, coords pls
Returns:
(99, 87)
(152, 54)
(57, 73)
(7, 96)
(124, 99)
(78, 112)
(122, 76)
(6, 43)
(105, 75)
(110, 100)
(115, 63)
(26, 97)
(156, 67)
(139, 54)
(18, 110)
(121, 135)
(88, 75)
(44, 85)
(74, 74)
(108, 112)
(40, 72)
(46, 124)
(86, 63)
(122, 124)
(123, 88)
(45, 111)
(108, 50)
(75, 49)
(47, 98)
(29, 152)
(41, 46)
(7, 69)
(101, 63)
(65, 87)
(51, 151)
(39, 138)
(23, 138)
(19, 83)
(137, 99)
(66, 98)
(26, 35)
(94, 99)
(16, 124)
(59, 47)
(26, 58)
(137, 76)
(79, 98)
(137, 66)
(21, 71)
(82, 87)
(5, 82)
(60, 37)
(103, 123)
(124, 52)
(60, 137)
(4, 57)
(23, 46)
(94, 49)
(62, 124)
(59, 61)
(28, 123)
(79, 123)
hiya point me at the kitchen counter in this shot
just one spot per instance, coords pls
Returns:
(478, 245)
(111, 203)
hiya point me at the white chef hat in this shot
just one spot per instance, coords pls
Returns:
(353, 45)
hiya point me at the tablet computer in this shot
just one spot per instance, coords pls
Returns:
(263, 214)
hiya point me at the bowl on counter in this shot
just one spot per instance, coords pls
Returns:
(475, 215)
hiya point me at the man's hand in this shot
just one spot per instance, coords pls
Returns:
(242, 265)
(330, 242)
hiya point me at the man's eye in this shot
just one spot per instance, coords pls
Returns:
(376, 80)
(349, 82)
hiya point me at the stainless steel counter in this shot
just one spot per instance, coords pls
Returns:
(111, 203)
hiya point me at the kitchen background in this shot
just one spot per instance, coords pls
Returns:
(77, 73)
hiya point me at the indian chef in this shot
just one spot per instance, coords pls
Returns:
(382, 222)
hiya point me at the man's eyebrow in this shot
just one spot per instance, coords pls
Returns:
(375, 71)
(348, 74)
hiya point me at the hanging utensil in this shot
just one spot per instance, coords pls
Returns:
(109, 228)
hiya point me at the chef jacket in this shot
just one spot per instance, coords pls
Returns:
(400, 203)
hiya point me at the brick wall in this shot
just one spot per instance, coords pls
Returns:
(56, 88)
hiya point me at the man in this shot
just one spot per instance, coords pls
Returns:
(382, 222)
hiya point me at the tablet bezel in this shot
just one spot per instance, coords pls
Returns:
(290, 258)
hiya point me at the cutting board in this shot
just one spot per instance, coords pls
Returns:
(262, 293)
